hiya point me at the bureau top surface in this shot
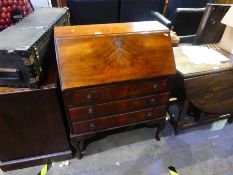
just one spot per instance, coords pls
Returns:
(109, 53)
(109, 29)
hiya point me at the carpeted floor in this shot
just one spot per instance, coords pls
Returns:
(205, 150)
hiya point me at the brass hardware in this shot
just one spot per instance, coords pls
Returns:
(89, 98)
(92, 125)
(27, 62)
(31, 60)
(91, 111)
(152, 101)
(8, 70)
(155, 85)
(37, 78)
(149, 115)
(118, 42)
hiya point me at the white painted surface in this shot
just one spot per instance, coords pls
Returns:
(41, 3)
(227, 38)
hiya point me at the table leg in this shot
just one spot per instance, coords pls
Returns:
(181, 116)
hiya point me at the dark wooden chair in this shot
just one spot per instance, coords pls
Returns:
(211, 29)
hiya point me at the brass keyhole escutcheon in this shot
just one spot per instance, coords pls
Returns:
(149, 115)
(92, 125)
(118, 42)
(89, 98)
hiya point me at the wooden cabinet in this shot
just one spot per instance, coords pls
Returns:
(114, 75)
(32, 129)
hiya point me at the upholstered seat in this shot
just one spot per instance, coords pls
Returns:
(139, 10)
(93, 11)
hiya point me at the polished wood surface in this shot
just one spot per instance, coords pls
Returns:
(62, 3)
(97, 30)
(114, 75)
(223, 1)
(119, 120)
(113, 108)
(32, 129)
(122, 53)
(212, 93)
(117, 92)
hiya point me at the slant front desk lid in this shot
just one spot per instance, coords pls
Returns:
(108, 53)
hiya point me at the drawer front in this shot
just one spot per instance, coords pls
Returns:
(117, 107)
(85, 98)
(119, 120)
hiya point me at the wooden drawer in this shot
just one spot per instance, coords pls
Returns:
(119, 120)
(117, 107)
(112, 93)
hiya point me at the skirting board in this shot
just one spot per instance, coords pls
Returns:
(34, 161)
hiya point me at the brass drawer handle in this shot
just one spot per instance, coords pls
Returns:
(92, 125)
(155, 85)
(149, 115)
(152, 101)
(90, 98)
(91, 111)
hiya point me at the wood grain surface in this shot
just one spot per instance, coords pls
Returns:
(117, 107)
(109, 29)
(120, 54)
(118, 92)
(119, 120)
(208, 86)
(212, 93)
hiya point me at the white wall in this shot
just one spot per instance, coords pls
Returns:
(41, 3)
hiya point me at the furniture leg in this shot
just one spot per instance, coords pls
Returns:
(159, 129)
(78, 151)
(173, 122)
(181, 116)
(230, 120)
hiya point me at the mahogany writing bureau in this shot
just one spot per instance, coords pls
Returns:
(114, 75)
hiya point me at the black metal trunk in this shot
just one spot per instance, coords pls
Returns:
(27, 47)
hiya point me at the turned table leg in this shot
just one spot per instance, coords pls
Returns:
(181, 116)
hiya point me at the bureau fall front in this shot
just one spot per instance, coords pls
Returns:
(114, 75)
